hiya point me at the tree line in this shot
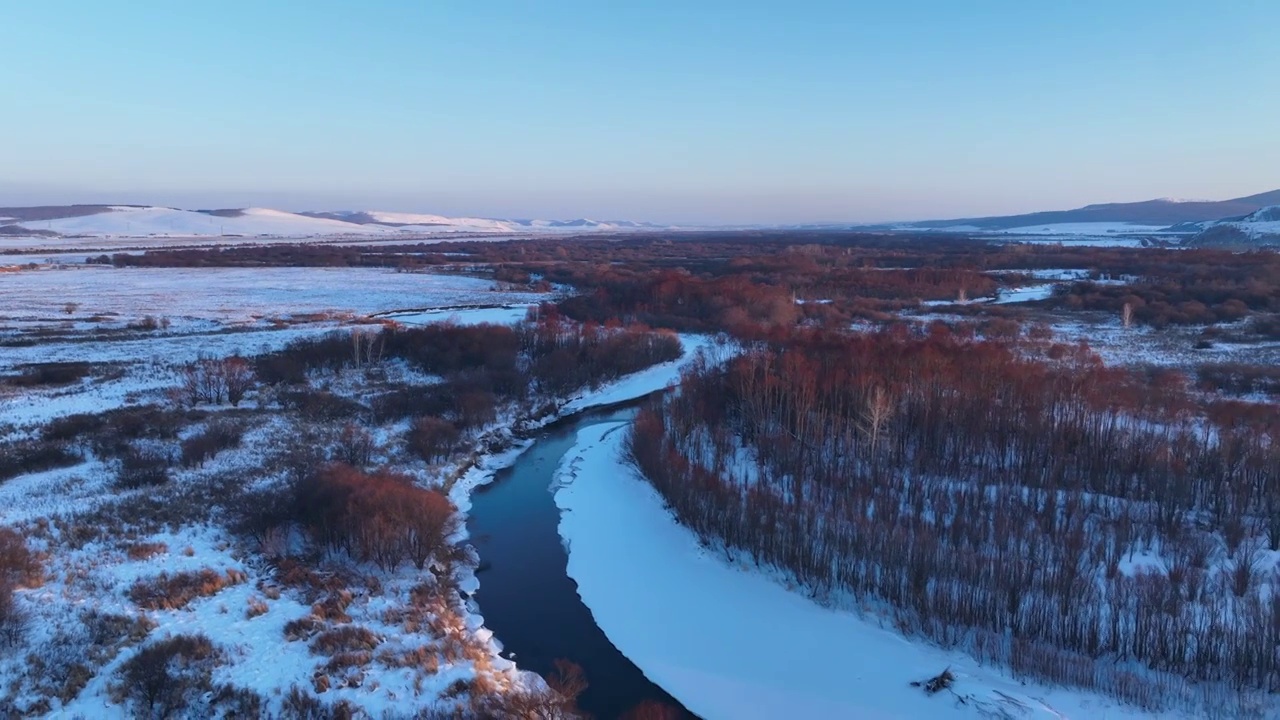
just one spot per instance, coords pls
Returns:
(1093, 526)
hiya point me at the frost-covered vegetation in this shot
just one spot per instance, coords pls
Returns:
(277, 533)
(1057, 461)
(1091, 526)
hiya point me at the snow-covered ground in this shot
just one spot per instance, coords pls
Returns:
(247, 617)
(82, 314)
(1077, 240)
(1023, 294)
(1083, 228)
(501, 315)
(233, 296)
(732, 642)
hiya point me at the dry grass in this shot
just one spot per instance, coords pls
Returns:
(345, 660)
(334, 607)
(171, 592)
(425, 659)
(257, 606)
(302, 629)
(145, 550)
(345, 639)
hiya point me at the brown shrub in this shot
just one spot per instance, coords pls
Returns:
(218, 436)
(170, 592)
(17, 563)
(433, 439)
(333, 607)
(345, 660)
(29, 456)
(109, 629)
(257, 606)
(237, 702)
(145, 550)
(425, 658)
(168, 675)
(348, 638)
(142, 467)
(302, 628)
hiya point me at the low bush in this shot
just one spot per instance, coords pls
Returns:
(379, 517)
(433, 439)
(51, 373)
(142, 467)
(173, 591)
(218, 436)
(320, 405)
(29, 456)
(168, 675)
(413, 400)
(302, 629)
(299, 704)
(145, 550)
(18, 564)
(345, 639)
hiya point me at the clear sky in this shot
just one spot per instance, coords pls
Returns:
(664, 110)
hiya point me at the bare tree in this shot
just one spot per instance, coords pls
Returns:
(877, 413)
(239, 378)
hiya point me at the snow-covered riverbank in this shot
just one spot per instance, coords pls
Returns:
(732, 642)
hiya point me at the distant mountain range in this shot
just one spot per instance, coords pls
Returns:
(1163, 213)
(1246, 221)
(149, 221)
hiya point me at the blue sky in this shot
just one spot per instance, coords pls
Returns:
(665, 110)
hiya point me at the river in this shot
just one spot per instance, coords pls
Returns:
(525, 595)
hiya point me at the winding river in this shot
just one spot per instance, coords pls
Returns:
(525, 595)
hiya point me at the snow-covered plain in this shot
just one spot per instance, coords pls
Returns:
(733, 642)
(1084, 228)
(206, 311)
(234, 296)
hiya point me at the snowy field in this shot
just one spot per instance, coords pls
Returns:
(1084, 229)
(84, 314)
(248, 617)
(732, 642)
(232, 296)
(1076, 240)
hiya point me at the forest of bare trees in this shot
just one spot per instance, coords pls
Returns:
(1091, 526)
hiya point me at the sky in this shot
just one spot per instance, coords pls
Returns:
(704, 111)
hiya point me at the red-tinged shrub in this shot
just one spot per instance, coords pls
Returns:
(433, 439)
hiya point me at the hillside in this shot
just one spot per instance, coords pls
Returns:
(1162, 213)
(1259, 228)
(147, 221)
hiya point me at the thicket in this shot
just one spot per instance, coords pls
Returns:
(378, 517)
(168, 676)
(52, 373)
(1087, 525)
(20, 457)
(480, 367)
(19, 567)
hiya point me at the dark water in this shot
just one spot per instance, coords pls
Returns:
(525, 595)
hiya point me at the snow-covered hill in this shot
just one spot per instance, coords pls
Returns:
(145, 221)
(1261, 227)
(132, 221)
